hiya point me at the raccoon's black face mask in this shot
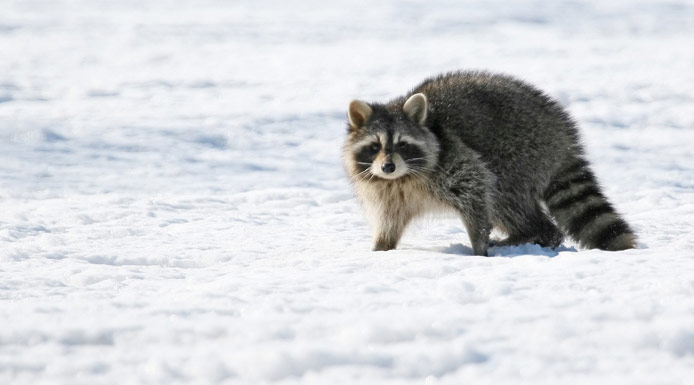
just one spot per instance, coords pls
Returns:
(390, 143)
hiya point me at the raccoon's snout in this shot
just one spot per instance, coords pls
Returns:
(388, 167)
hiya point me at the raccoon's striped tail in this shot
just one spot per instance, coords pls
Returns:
(576, 202)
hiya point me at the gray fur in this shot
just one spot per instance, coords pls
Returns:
(494, 149)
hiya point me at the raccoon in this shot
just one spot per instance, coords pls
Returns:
(493, 149)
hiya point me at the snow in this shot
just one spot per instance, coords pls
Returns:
(173, 208)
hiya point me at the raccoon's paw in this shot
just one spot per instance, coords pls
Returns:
(480, 243)
(551, 239)
(383, 245)
(481, 249)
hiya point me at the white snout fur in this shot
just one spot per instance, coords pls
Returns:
(400, 167)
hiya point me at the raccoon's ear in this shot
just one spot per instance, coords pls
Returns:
(358, 113)
(416, 108)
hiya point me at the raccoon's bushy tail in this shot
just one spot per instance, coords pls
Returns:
(577, 203)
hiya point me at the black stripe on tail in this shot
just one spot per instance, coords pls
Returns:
(575, 200)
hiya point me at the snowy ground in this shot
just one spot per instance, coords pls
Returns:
(173, 208)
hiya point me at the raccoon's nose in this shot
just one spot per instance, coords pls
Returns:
(388, 167)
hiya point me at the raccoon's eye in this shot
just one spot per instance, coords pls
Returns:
(403, 146)
(375, 147)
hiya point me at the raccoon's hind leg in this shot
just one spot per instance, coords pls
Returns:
(527, 223)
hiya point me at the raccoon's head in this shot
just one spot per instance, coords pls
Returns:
(389, 141)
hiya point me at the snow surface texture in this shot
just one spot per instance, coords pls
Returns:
(173, 207)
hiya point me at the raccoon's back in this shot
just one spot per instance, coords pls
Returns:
(511, 124)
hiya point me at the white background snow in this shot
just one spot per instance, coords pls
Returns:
(173, 209)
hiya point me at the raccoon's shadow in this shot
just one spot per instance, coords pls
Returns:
(510, 251)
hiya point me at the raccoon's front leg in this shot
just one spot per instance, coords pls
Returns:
(473, 205)
(478, 227)
(388, 230)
